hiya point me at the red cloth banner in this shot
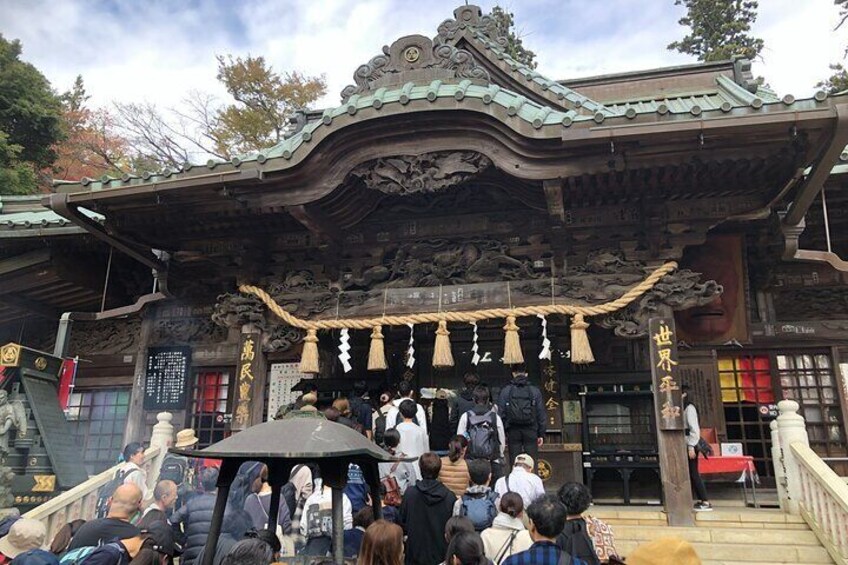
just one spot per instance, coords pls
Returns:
(717, 464)
(66, 381)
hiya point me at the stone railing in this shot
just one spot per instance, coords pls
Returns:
(80, 502)
(807, 485)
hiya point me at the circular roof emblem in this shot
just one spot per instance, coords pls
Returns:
(411, 54)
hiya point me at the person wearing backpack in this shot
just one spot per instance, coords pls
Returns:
(379, 418)
(484, 429)
(575, 538)
(360, 408)
(523, 411)
(393, 418)
(124, 504)
(479, 502)
(130, 472)
(508, 535)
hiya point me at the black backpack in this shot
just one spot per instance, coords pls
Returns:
(521, 405)
(173, 469)
(379, 428)
(482, 433)
(107, 490)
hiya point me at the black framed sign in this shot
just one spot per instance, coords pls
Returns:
(166, 382)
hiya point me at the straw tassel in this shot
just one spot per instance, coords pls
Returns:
(512, 345)
(581, 351)
(442, 356)
(309, 357)
(377, 353)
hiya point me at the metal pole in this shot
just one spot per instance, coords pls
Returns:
(338, 527)
(215, 528)
(106, 279)
(274, 509)
(826, 222)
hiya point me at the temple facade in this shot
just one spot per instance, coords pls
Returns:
(452, 178)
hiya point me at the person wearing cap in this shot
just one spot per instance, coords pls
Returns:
(24, 535)
(522, 480)
(179, 469)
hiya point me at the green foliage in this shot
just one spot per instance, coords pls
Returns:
(719, 29)
(265, 100)
(29, 121)
(16, 176)
(505, 21)
(837, 82)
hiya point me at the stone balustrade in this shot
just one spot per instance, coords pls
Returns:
(807, 485)
(80, 502)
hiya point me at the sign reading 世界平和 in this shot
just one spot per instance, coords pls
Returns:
(166, 378)
(664, 361)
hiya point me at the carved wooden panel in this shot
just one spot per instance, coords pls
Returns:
(699, 371)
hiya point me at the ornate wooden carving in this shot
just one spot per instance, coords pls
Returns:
(181, 331)
(812, 304)
(108, 337)
(418, 59)
(429, 172)
(471, 17)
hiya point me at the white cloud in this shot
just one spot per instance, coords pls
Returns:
(160, 49)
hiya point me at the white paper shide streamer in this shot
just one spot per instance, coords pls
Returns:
(410, 352)
(344, 348)
(546, 343)
(475, 348)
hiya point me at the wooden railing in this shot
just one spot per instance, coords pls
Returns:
(80, 501)
(823, 502)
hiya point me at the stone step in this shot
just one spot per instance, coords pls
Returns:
(719, 535)
(617, 515)
(747, 553)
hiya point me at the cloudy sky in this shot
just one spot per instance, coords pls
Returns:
(157, 50)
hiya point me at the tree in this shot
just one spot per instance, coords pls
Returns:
(30, 125)
(265, 100)
(719, 29)
(92, 146)
(505, 21)
(837, 82)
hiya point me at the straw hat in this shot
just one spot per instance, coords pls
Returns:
(25, 534)
(669, 550)
(186, 438)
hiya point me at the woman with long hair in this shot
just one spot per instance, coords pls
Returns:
(454, 473)
(693, 437)
(382, 545)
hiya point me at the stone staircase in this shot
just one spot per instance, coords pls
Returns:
(726, 536)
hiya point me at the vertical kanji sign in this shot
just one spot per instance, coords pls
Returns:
(664, 362)
(245, 375)
(551, 395)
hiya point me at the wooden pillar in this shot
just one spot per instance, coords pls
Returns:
(668, 411)
(251, 374)
(135, 418)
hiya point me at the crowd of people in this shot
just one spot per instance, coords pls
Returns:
(450, 499)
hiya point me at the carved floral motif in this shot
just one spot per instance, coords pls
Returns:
(412, 174)
(108, 337)
(188, 330)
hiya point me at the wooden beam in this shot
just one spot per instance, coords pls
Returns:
(553, 197)
(821, 170)
(313, 219)
(30, 306)
(24, 261)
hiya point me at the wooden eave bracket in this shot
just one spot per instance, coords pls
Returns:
(316, 222)
(59, 204)
(792, 221)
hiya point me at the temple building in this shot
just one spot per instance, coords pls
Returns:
(450, 178)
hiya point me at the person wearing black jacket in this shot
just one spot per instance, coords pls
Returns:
(575, 538)
(196, 515)
(424, 511)
(521, 407)
(465, 399)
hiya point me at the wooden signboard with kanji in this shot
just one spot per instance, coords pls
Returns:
(247, 369)
(664, 363)
(552, 398)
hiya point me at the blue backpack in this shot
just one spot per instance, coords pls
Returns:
(112, 553)
(480, 508)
